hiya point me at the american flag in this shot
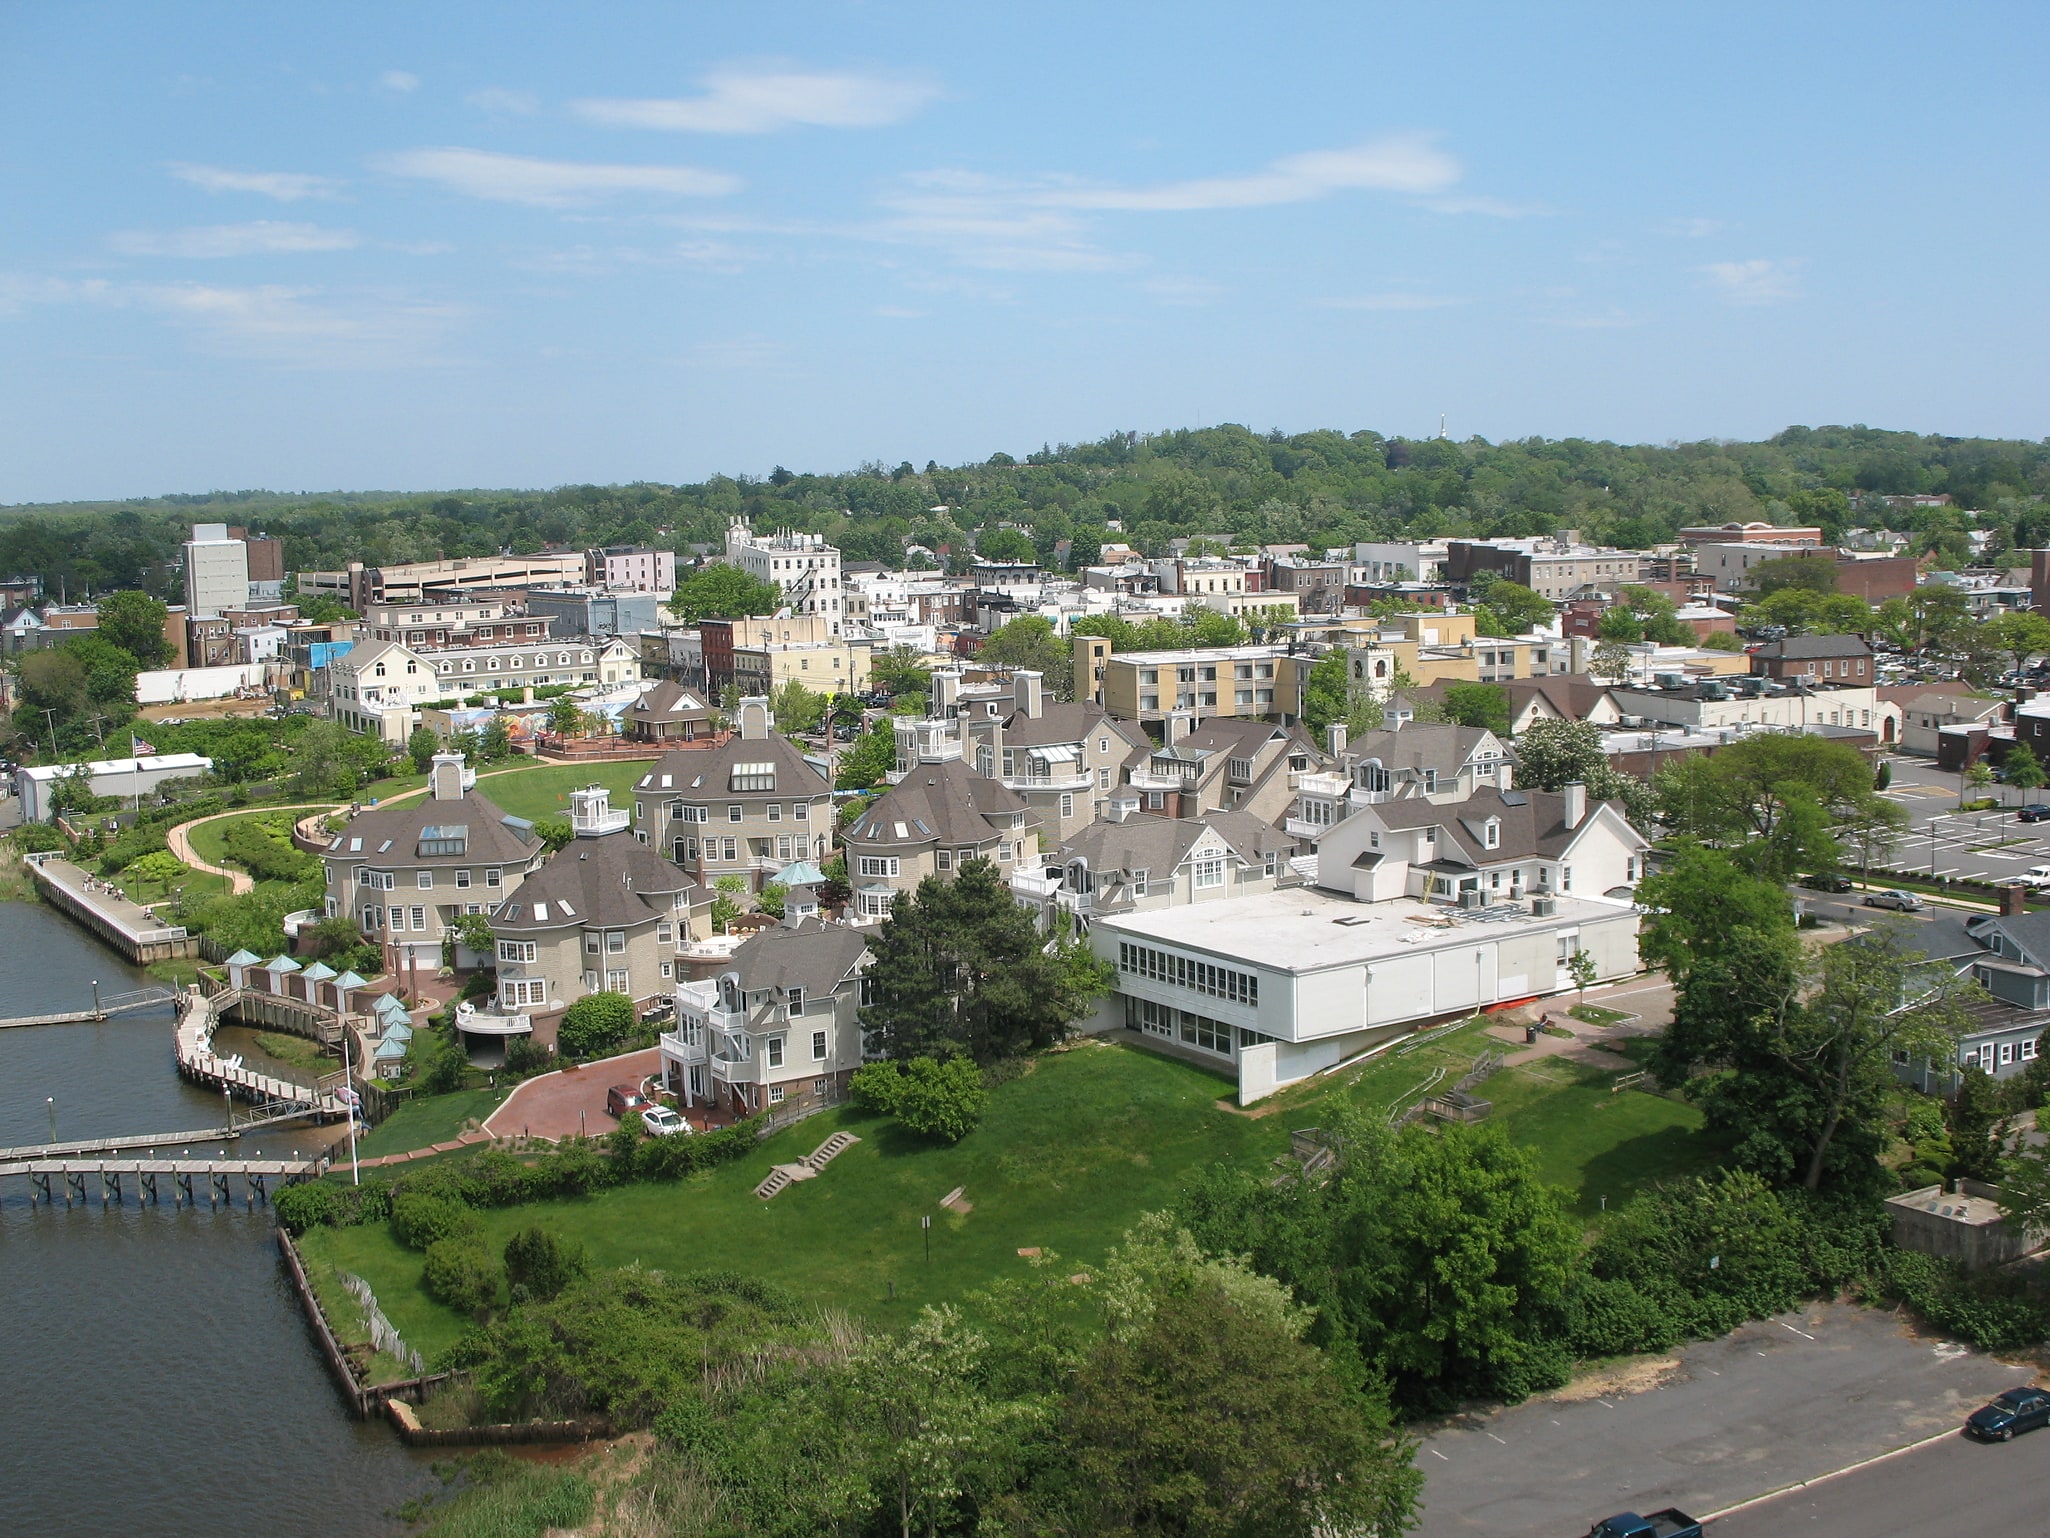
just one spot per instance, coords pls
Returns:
(138, 746)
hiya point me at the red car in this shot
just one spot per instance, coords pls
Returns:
(622, 1099)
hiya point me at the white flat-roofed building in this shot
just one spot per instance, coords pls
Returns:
(1281, 985)
(124, 778)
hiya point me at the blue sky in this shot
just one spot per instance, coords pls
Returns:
(366, 246)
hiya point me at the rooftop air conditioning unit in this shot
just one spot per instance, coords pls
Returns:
(1544, 907)
(1473, 900)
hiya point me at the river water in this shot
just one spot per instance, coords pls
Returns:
(156, 1374)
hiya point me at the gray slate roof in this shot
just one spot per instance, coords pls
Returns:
(1532, 825)
(390, 835)
(813, 956)
(1799, 647)
(1160, 844)
(939, 804)
(613, 881)
(702, 774)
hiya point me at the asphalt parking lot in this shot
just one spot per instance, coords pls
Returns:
(1726, 1422)
(1942, 841)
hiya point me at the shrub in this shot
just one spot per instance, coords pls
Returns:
(936, 1099)
(160, 866)
(421, 1219)
(462, 1273)
(37, 838)
(540, 1265)
(595, 1024)
(310, 1204)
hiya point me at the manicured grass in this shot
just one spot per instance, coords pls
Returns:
(1066, 1159)
(426, 1120)
(1594, 1014)
(543, 790)
(210, 839)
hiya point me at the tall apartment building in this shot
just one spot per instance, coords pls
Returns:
(1210, 681)
(469, 619)
(803, 566)
(361, 586)
(216, 570)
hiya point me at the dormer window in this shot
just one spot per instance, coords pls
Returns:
(1491, 833)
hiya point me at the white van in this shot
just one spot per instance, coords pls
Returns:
(2036, 875)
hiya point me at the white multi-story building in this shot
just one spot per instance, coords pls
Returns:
(635, 568)
(216, 571)
(804, 566)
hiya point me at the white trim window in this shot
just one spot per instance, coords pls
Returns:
(1209, 870)
(518, 952)
(818, 1046)
(877, 865)
(522, 992)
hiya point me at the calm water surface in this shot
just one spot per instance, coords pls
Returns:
(156, 1375)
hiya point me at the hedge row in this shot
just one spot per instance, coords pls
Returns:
(495, 1178)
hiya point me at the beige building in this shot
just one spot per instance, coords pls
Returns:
(476, 619)
(404, 874)
(1248, 681)
(804, 566)
(606, 914)
(487, 669)
(808, 648)
(1224, 765)
(779, 1027)
(746, 808)
(378, 687)
(932, 822)
(414, 582)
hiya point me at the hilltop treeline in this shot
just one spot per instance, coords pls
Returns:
(1320, 488)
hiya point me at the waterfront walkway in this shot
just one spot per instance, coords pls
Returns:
(129, 927)
(278, 1097)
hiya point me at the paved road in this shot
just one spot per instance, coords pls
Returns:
(1952, 1486)
(1777, 1402)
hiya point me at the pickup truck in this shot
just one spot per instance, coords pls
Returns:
(1670, 1523)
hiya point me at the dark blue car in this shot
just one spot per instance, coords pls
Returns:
(2017, 1410)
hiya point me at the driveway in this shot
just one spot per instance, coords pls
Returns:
(1720, 1423)
(571, 1101)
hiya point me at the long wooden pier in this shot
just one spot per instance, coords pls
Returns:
(129, 927)
(276, 1097)
(117, 1004)
(114, 1179)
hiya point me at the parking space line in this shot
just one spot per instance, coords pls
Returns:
(1785, 1326)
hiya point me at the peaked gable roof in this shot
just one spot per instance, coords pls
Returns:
(815, 956)
(395, 835)
(698, 774)
(611, 881)
(1161, 844)
(1530, 824)
(942, 803)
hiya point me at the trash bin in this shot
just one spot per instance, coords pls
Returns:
(1529, 1034)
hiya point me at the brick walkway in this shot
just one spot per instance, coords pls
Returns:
(568, 1101)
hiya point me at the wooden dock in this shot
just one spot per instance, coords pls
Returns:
(130, 928)
(118, 1004)
(277, 1098)
(115, 1179)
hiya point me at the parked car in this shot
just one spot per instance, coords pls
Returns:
(2035, 811)
(622, 1099)
(2036, 875)
(1895, 898)
(1826, 881)
(2016, 1411)
(1670, 1523)
(663, 1122)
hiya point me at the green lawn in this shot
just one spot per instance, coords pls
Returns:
(543, 789)
(426, 1120)
(1066, 1158)
(210, 839)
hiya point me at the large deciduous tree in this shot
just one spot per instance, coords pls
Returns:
(135, 622)
(1029, 641)
(723, 592)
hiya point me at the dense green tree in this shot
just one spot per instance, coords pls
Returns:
(2022, 768)
(899, 670)
(723, 592)
(1977, 1127)
(1483, 705)
(1513, 609)
(2019, 635)
(1782, 802)
(595, 1024)
(421, 746)
(1030, 641)
(1807, 611)
(1817, 573)
(797, 708)
(539, 1264)
(958, 967)
(1552, 754)
(135, 623)
(937, 1098)
(867, 759)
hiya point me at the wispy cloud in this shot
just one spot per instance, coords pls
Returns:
(744, 352)
(548, 183)
(1410, 163)
(757, 100)
(291, 327)
(1760, 280)
(1692, 229)
(285, 186)
(1190, 292)
(598, 261)
(1397, 302)
(504, 103)
(1611, 319)
(262, 237)
(1486, 207)
(399, 80)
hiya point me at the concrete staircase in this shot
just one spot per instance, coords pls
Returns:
(807, 1168)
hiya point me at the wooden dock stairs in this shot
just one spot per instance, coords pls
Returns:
(808, 1167)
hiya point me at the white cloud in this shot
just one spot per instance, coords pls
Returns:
(1760, 280)
(594, 261)
(1191, 292)
(505, 103)
(743, 100)
(548, 183)
(261, 237)
(1491, 208)
(1389, 301)
(285, 186)
(1410, 163)
(291, 327)
(399, 80)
